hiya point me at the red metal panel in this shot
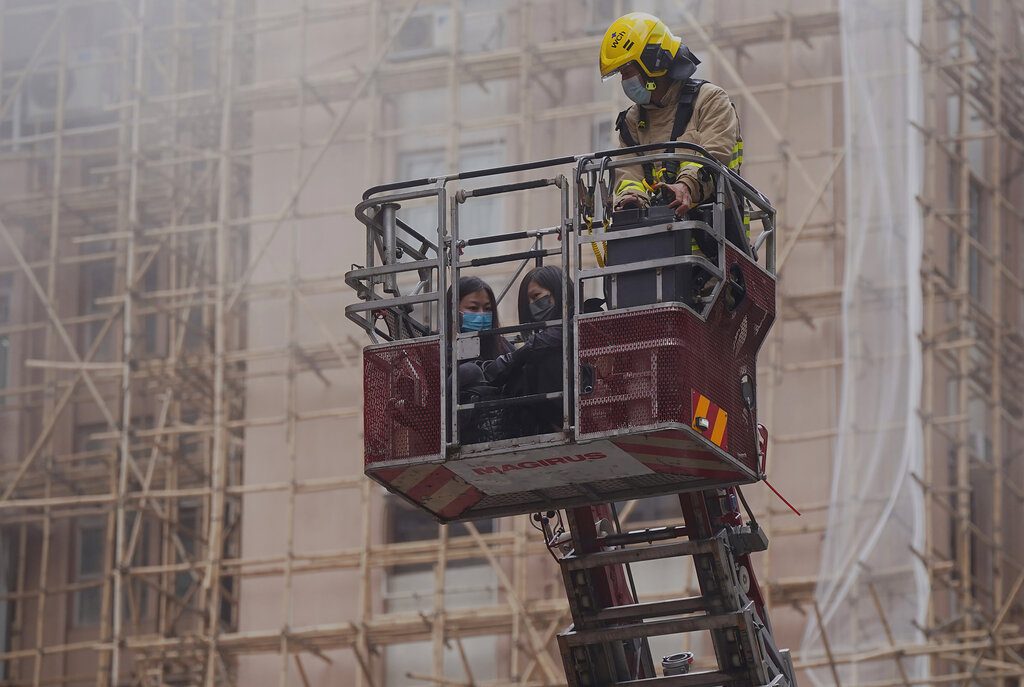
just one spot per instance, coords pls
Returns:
(402, 401)
(461, 503)
(675, 453)
(432, 487)
(653, 370)
(647, 362)
(429, 484)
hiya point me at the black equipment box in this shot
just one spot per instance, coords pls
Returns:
(641, 288)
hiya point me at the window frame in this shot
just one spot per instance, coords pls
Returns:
(493, 207)
(5, 360)
(438, 13)
(6, 297)
(97, 525)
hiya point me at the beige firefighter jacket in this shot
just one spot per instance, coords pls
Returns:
(714, 125)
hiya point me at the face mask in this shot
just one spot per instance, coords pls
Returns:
(542, 309)
(636, 90)
(476, 321)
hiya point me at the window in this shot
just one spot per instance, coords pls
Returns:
(135, 594)
(672, 12)
(405, 523)
(416, 108)
(480, 216)
(421, 215)
(198, 42)
(91, 72)
(975, 219)
(952, 115)
(95, 282)
(427, 32)
(483, 26)
(954, 532)
(977, 429)
(953, 236)
(6, 286)
(5, 348)
(195, 335)
(189, 443)
(410, 588)
(601, 134)
(599, 14)
(188, 532)
(150, 324)
(98, 170)
(953, 257)
(89, 552)
(230, 548)
(90, 450)
(7, 576)
(484, 99)
(23, 34)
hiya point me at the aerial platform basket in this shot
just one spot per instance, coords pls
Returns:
(659, 386)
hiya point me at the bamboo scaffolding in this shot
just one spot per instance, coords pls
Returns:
(170, 481)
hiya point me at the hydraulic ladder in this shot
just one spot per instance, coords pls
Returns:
(607, 641)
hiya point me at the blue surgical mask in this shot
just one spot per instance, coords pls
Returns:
(477, 321)
(636, 90)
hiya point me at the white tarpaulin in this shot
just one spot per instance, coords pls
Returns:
(876, 511)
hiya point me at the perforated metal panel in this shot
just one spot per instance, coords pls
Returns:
(505, 500)
(648, 364)
(568, 491)
(655, 480)
(654, 369)
(610, 485)
(402, 401)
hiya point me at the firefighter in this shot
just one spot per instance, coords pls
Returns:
(669, 105)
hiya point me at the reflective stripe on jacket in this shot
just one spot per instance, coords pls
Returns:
(713, 126)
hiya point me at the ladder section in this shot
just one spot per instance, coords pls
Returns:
(607, 642)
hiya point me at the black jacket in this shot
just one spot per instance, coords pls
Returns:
(480, 424)
(533, 368)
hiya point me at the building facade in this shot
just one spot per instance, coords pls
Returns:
(181, 499)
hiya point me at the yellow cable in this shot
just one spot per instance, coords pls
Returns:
(602, 251)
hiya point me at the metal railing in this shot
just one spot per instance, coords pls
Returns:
(432, 260)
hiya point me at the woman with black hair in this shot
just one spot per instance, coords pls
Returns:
(478, 312)
(540, 295)
(536, 366)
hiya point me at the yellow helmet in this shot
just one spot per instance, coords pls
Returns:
(643, 38)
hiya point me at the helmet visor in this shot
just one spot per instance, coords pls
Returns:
(627, 70)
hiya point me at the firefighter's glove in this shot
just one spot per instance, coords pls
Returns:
(631, 200)
(683, 201)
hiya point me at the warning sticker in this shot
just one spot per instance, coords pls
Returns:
(709, 419)
(548, 467)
